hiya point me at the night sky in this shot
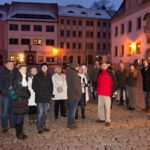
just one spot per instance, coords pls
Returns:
(85, 3)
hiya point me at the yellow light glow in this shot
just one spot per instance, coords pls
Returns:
(55, 51)
(133, 46)
(21, 57)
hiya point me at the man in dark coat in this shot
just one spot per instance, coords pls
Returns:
(74, 92)
(43, 87)
(7, 78)
(145, 71)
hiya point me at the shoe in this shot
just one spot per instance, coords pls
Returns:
(64, 115)
(76, 117)
(4, 130)
(107, 124)
(100, 121)
(72, 127)
(22, 136)
(83, 117)
(40, 131)
(46, 129)
(131, 109)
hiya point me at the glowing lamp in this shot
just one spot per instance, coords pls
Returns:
(21, 57)
(55, 51)
(133, 47)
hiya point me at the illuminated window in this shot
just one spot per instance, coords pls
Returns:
(138, 48)
(37, 42)
(12, 58)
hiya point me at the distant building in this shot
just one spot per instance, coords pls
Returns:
(131, 31)
(83, 33)
(42, 32)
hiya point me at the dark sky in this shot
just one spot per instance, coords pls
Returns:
(86, 3)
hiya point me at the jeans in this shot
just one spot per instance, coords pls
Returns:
(59, 105)
(122, 92)
(147, 99)
(7, 113)
(19, 119)
(42, 109)
(72, 107)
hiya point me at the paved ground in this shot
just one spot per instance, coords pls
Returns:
(128, 131)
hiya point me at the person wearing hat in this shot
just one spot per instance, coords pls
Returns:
(43, 88)
(74, 92)
(104, 91)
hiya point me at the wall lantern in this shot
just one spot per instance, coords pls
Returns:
(21, 57)
(133, 47)
(55, 51)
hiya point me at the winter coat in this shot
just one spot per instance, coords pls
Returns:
(121, 78)
(20, 105)
(84, 85)
(31, 101)
(74, 84)
(131, 80)
(59, 81)
(146, 78)
(104, 84)
(43, 87)
(7, 79)
(94, 74)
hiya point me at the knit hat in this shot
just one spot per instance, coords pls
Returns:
(74, 65)
(104, 66)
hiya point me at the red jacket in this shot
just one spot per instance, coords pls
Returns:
(104, 84)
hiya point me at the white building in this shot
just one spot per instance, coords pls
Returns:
(131, 31)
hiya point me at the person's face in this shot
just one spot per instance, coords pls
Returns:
(145, 63)
(96, 63)
(80, 70)
(10, 66)
(23, 70)
(122, 66)
(33, 71)
(44, 69)
(132, 68)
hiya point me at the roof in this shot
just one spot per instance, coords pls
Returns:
(76, 11)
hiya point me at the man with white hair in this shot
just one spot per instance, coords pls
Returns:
(104, 91)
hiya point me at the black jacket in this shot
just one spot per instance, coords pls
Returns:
(146, 78)
(73, 84)
(131, 80)
(20, 105)
(43, 87)
(7, 79)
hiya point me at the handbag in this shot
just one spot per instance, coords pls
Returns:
(59, 89)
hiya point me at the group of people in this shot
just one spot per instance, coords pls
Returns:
(30, 92)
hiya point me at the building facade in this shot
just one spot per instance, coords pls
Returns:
(131, 32)
(39, 32)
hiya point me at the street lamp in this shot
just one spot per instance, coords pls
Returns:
(55, 52)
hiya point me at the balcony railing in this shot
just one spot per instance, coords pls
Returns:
(147, 29)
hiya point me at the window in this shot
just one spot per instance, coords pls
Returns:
(79, 46)
(97, 14)
(62, 44)
(74, 22)
(13, 41)
(91, 34)
(104, 24)
(138, 48)
(62, 21)
(25, 27)
(50, 42)
(91, 23)
(104, 35)
(49, 28)
(87, 23)
(74, 33)
(129, 26)
(71, 12)
(37, 28)
(68, 22)
(74, 45)
(79, 59)
(13, 27)
(68, 45)
(80, 33)
(116, 31)
(62, 33)
(68, 33)
(50, 59)
(104, 47)
(122, 28)
(116, 51)
(84, 13)
(139, 23)
(87, 34)
(98, 24)
(122, 50)
(98, 34)
(12, 58)
(37, 42)
(98, 46)
(40, 59)
(91, 45)
(25, 41)
(80, 22)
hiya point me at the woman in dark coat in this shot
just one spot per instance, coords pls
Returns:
(20, 105)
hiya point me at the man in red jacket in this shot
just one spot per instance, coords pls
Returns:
(104, 91)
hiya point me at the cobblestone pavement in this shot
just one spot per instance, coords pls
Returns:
(128, 131)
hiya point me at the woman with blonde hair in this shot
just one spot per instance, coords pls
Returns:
(131, 84)
(59, 92)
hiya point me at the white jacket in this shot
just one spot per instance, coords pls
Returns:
(31, 101)
(59, 81)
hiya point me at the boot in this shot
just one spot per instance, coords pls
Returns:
(83, 114)
(17, 127)
(22, 135)
(34, 118)
(31, 121)
(76, 115)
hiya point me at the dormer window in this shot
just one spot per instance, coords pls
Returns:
(83, 12)
(97, 14)
(71, 12)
